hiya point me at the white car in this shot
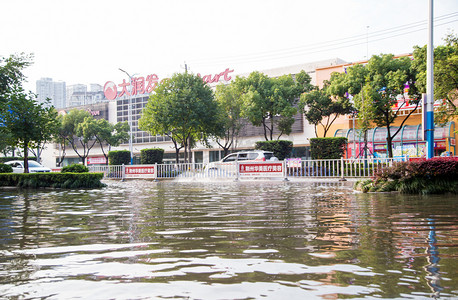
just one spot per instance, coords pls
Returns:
(18, 166)
(228, 163)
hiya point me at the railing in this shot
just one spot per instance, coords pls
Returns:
(342, 168)
(110, 172)
(324, 168)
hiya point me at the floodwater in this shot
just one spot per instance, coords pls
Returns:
(226, 240)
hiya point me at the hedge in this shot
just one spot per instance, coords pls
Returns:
(6, 168)
(328, 148)
(54, 180)
(5, 159)
(433, 176)
(281, 148)
(119, 157)
(75, 168)
(151, 156)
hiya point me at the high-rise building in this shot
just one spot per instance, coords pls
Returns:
(78, 94)
(46, 88)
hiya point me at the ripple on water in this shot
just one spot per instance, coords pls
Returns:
(276, 240)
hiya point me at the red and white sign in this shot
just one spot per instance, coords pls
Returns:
(97, 160)
(146, 85)
(270, 169)
(140, 172)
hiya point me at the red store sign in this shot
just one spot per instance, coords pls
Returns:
(146, 85)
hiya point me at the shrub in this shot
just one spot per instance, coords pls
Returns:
(119, 157)
(5, 159)
(55, 180)
(281, 148)
(432, 176)
(327, 148)
(151, 156)
(6, 168)
(75, 168)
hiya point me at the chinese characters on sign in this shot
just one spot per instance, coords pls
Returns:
(146, 85)
(261, 169)
(96, 160)
(140, 172)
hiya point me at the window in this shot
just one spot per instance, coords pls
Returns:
(232, 157)
(243, 156)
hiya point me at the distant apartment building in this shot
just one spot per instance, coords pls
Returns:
(78, 95)
(46, 88)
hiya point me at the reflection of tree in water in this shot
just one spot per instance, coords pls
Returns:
(17, 232)
(335, 228)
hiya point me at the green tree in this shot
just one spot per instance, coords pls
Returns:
(59, 139)
(11, 75)
(382, 82)
(270, 102)
(28, 122)
(184, 109)
(78, 132)
(320, 108)
(445, 76)
(107, 134)
(230, 116)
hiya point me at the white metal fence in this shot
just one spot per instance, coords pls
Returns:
(324, 168)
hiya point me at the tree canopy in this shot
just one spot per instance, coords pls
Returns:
(78, 130)
(108, 134)
(11, 75)
(230, 116)
(27, 122)
(184, 109)
(320, 108)
(445, 76)
(387, 83)
(271, 102)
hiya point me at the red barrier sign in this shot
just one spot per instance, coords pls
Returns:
(140, 172)
(261, 169)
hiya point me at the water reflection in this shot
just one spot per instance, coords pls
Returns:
(276, 240)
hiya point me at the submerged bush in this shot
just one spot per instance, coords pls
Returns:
(433, 176)
(55, 180)
(75, 168)
(6, 168)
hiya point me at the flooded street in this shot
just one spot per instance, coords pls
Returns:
(230, 240)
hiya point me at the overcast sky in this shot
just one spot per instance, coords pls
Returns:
(87, 41)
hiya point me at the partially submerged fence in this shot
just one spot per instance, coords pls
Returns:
(290, 168)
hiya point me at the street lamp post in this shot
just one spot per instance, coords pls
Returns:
(129, 118)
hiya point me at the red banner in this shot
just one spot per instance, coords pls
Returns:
(261, 169)
(140, 172)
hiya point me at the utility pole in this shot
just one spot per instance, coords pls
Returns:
(430, 85)
(129, 118)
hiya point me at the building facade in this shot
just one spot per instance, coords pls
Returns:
(125, 104)
(46, 88)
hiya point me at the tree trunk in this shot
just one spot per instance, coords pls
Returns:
(389, 141)
(26, 158)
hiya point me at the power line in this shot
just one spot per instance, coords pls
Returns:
(330, 45)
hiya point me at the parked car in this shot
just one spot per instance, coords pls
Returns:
(228, 163)
(18, 166)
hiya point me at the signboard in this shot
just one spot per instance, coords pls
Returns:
(261, 169)
(293, 162)
(97, 160)
(140, 172)
(146, 85)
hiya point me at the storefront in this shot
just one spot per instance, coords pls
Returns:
(408, 142)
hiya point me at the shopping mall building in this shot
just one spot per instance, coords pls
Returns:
(116, 109)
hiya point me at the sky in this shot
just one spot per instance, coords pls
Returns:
(88, 41)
